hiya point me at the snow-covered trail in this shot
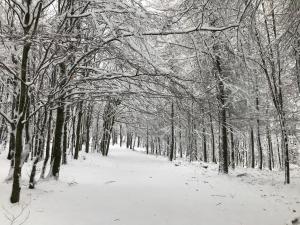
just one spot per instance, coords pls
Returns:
(131, 188)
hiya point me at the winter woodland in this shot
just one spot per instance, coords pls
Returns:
(150, 112)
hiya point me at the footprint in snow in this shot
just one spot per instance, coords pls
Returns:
(72, 183)
(110, 182)
(222, 196)
(295, 221)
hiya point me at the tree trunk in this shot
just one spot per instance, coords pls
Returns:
(65, 137)
(180, 142)
(121, 137)
(205, 157)
(278, 152)
(47, 150)
(270, 148)
(286, 150)
(60, 119)
(260, 151)
(232, 161)
(88, 127)
(21, 108)
(57, 145)
(172, 133)
(78, 131)
(147, 140)
(108, 123)
(252, 147)
(73, 133)
(223, 157)
(12, 137)
(39, 153)
(213, 146)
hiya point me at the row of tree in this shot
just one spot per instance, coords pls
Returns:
(207, 80)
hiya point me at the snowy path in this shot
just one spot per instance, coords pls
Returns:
(130, 188)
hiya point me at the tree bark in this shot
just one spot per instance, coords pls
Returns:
(232, 161)
(108, 123)
(223, 157)
(252, 148)
(38, 158)
(270, 148)
(88, 127)
(205, 157)
(147, 140)
(213, 145)
(57, 145)
(78, 131)
(47, 150)
(21, 108)
(172, 133)
(65, 137)
(260, 150)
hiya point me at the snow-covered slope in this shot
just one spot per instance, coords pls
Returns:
(131, 188)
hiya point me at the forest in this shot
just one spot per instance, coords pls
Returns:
(212, 85)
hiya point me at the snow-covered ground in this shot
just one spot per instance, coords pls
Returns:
(131, 188)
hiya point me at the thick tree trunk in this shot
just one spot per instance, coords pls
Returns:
(57, 145)
(21, 108)
(129, 139)
(223, 157)
(58, 135)
(15, 195)
(224, 146)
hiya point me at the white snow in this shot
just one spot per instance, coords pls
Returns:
(131, 188)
